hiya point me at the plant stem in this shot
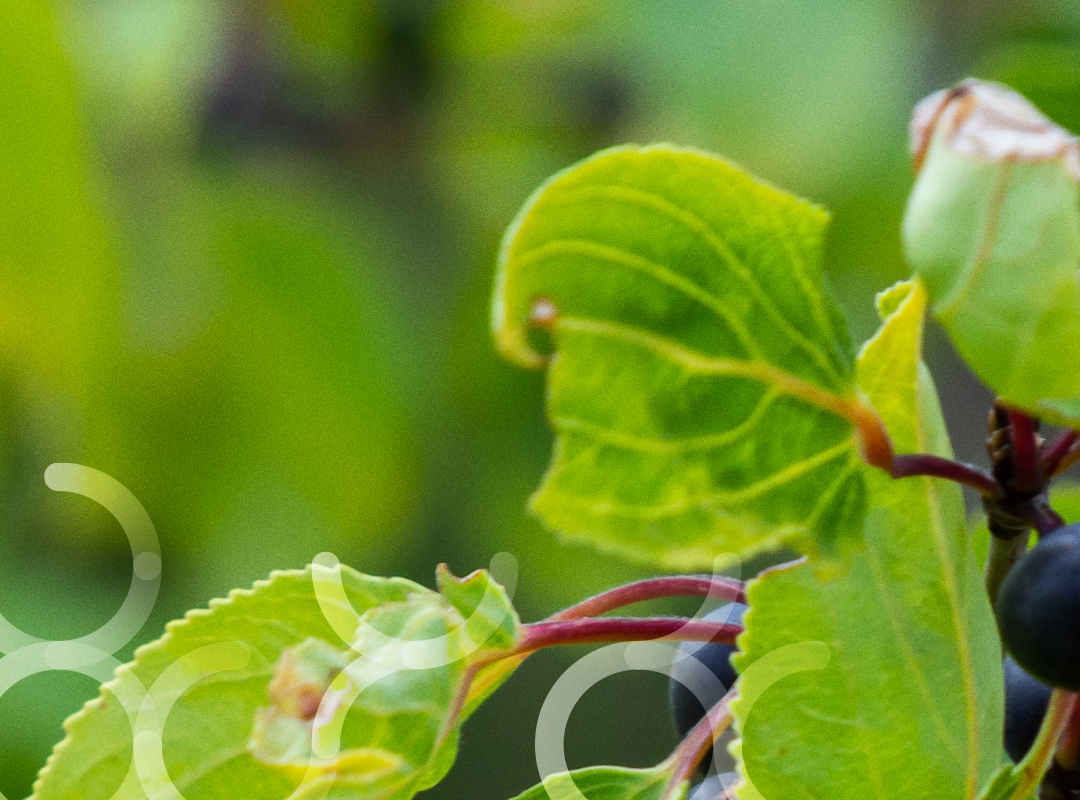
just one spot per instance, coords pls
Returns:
(875, 444)
(1057, 450)
(907, 466)
(539, 635)
(576, 625)
(654, 588)
(1068, 459)
(697, 743)
(1068, 754)
(1000, 559)
(1039, 758)
(1027, 476)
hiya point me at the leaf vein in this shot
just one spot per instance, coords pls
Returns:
(777, 479)
(645, 444)
(694, 362)
(914, 667)
(717, 244)
(660, 272)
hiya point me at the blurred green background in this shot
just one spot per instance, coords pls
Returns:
(245, 257)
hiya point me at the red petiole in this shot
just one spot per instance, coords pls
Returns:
(1056, 455)
(908, 466)
(1027, 475)
(717, 587)
(604, 630)
(1042, 517)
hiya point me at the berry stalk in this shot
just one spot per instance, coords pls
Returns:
(1042, 517)
(1003, 554)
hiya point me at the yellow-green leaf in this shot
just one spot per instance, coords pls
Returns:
(702, 385)
(910, 703)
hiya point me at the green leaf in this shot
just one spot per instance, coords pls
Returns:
(702, 389)
(910, 704)
(993, 228)
(605, 783)
(306, 682)
(491, 619)
(1006, 785)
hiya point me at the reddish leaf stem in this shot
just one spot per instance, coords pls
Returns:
(621, 629)
(693, 748)
(1027, 477)
(907, 466)
(1038, 512)
(874, 442)
(1057, 450)
(653, 588)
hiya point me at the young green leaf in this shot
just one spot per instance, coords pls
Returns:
(605, 783)
(702, 387)
(313, 679)
(993, 228)
(910, 704)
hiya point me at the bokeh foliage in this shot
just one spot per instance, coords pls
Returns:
(246, 251)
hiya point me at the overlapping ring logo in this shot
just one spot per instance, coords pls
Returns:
(25, 655)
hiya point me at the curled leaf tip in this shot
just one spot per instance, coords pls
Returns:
(986, 120)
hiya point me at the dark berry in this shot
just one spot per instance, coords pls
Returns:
(1038, 609)
(1026, 700)
(693, 692)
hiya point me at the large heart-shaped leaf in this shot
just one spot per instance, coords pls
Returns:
(993, 227)
(702, 386)
(910, 703)
(323, 682)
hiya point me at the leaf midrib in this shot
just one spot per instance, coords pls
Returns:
(695, 362)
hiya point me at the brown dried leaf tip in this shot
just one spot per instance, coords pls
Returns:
(980, 119)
